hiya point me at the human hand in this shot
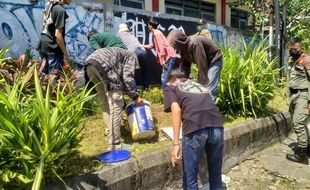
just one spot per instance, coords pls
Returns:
(175, 156)
(164, 65)
(66, 58)
(66, 66)
(139, 101)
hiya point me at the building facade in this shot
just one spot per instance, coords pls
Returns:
(214, 11)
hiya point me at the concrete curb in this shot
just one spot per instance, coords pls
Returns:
(154, 170)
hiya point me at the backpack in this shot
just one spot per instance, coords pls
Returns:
(47, 19)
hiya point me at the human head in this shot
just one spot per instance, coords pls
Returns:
(175, 74)
(152, 24)
(201, 24)
(123, 27)
(67, 2)
(91, 33)
(295, 46)
(178, 40)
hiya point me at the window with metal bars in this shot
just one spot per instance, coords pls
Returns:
(239, 19)
(138, 4)
(192, 8)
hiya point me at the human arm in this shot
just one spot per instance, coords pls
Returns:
(148, 46)
(94, 43)
(61, 43)
(59, 18)
(200, 58)
(176, 123)
(129, 79)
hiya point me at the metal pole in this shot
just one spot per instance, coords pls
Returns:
(283, 36)
(271, 19)
(277, 32)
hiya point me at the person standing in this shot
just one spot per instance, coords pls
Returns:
(112, 70)
(52, 45)
(299, 94)
(133, 45)
(104, 39)
(165, 54)
(201, 51)
(202, 29)
(192, 108)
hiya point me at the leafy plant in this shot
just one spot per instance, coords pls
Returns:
(38, 130)
(153, 95)
(247, 79)
(15, 69)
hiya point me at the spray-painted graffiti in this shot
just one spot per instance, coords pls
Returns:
(138, 26)
(22, 23)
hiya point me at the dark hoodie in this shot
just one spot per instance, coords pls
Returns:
(195, 49)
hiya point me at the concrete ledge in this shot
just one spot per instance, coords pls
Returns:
(154, 170)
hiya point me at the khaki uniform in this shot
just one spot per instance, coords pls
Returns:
(204, 32)
(299, 93)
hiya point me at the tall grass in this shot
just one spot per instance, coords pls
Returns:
(38, 131)
(247, 80)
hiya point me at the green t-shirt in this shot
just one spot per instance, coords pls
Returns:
(48, 41)
(106, 39)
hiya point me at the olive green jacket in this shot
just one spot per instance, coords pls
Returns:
(299, 75)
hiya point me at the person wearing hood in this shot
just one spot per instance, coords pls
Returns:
(299, 93)
(201, 51)
(165, 54)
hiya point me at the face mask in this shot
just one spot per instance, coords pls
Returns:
(295, 54)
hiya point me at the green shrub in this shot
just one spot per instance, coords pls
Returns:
(154, 95)
(247, 79)
(38, 130)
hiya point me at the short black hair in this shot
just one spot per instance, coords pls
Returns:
(295, 40)
(153, 23)
(176, 73)
(91, 33)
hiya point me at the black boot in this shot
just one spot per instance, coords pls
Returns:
(300, 156)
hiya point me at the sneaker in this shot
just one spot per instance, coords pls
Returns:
(299, 156)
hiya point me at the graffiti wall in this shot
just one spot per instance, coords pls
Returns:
(138, 26)
(21, 22)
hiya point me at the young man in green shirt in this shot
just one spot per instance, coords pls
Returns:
(103, 40)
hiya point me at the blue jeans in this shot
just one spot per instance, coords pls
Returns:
(141, 55)
(214, 74)
(164, 75)
(211, 141)
(53, 62)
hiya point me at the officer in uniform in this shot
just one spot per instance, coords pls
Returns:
(299, 94)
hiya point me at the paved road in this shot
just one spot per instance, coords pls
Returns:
(266, 170)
